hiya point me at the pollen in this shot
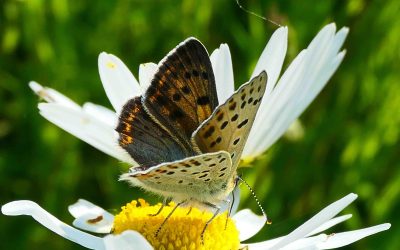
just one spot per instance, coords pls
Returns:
(111, 65)
(181, 231)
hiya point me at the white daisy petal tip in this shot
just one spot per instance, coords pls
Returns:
(221, 62)
(331, 27)
(340, 56)
(343, 32)
(51, 96)
(108, 60)
(248, 223)
(272, 57)
(15, 208)
(118, 81)
(337, 240)
(146, 73)
(351, 196)
(35, 86)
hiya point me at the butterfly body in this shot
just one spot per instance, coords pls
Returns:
(187, 145)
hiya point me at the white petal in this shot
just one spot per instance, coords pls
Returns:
(127, 240)
(146, 73)
(339, 39)
(271, 59)
(259, 137)
(330, 223)
(320, 81)
(222, 66)
(316, 221)
(324, 241)
(248, 223)
(262, 245)
(294, 109)
(326, 225)
(103, 114)
(298, 86)
(52, 96)
(118, 82)
(90, 217)
(301, 244)
(305, 243)
(86, 127)
(46, 219)
(343, 239)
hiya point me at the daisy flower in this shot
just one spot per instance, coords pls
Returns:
(133, 228)
(286, 97)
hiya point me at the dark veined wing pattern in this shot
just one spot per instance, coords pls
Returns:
(182, 93)
(146, 142)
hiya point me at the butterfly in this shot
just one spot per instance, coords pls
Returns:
(187, 145)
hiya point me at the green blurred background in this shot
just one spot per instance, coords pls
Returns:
(351, 131)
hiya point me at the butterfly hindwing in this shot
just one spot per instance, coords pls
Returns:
(182, 93)
(146, 142)
(229, 126)
(194, 177)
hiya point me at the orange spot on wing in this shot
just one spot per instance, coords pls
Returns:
(125, 140)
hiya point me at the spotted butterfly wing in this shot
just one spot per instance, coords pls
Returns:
(204, 178)
(182, 93)
(146, 142)
(229, 126)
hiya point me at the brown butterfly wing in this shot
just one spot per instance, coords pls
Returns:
(145, 141)
(182, 93)
(229, 126)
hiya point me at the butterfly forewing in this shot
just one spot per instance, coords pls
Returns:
(229, 126)
(146, 142)
(201, 177)
(182, 93)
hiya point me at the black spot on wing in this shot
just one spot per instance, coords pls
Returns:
(244, 122)
(203, 100)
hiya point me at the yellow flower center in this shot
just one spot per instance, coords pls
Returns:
(181, 231)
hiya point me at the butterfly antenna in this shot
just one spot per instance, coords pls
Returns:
(255, 14)
(255, 197)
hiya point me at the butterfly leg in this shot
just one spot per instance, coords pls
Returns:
(217, 209)
(231, 203)
(169, 215)
(165, 202)
(190, 210)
